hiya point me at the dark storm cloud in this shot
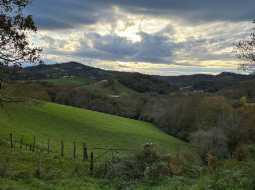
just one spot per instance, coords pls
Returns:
(69, 13)
(193, 9)
(156, 48)
(153, 48)
(61, 14)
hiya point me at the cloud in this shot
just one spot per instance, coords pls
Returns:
(59, 14)
(198, 33)
(63, 14)
(152, 48)
(160, 47)
(203, 10)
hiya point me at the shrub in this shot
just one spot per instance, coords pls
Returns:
(241, 153)
(232, 175)
(184, 164)
(151, 167)
(212, 162)
(145, 165)
(213, 141)
(156, 170)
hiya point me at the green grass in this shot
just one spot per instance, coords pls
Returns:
(18, 172)
(104, 87)
(72, 81)
(18, 169)
(57, 122)
(23, 89)
(64, 184)
(109, 88)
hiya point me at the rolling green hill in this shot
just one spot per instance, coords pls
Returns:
(58, 122)
(69, 81)
(109, 87)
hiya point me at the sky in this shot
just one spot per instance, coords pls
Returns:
(159, 37)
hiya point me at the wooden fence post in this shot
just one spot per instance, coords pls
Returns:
(21, 143)
(34, 144)
(48, 146)
(105, 168)
(74, 150)
(11, 140)
(38, 170)
(91, 163)
(62, 148)
(14, 145)
(85, 152)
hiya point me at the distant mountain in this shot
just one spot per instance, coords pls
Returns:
(211, 83)
(60, 70)
(136, 81)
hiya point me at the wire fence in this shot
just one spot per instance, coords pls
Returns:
(76, 151)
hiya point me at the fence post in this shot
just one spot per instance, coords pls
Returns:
(91, 163)
(34, 145)
(11, 140)
(14, 145)
(74, 150)
(85, 152)
(30, 148)
(62, 148)
(21, 143)
(105, 168)
(38, 170)
(48, 147)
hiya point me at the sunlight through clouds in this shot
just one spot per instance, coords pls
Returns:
(145, 43)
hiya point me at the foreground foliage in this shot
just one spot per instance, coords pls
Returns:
(145, 170)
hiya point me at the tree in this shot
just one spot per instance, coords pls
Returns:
(245, 49)
(15, 28)
(234, 129)
(212, 141)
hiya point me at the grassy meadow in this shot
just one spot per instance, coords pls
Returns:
(18, 169)
(57, 122)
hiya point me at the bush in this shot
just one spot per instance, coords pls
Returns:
(212, 141)
(232, 175)
(241, 153)
(212, 162)
(145, 165)
(156, 170)
(151, 167)
(184, 164)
